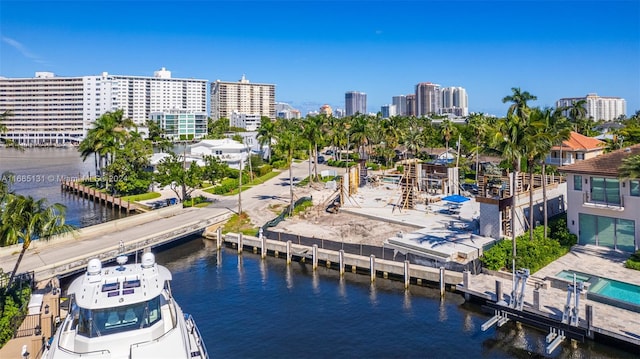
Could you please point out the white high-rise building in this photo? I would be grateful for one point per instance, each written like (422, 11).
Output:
(47, 109)
(242, 97)
(454, 101)
(388, 111)
(598, 107)
(401, 104)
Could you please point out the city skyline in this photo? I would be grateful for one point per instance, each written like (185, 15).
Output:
(384, 50)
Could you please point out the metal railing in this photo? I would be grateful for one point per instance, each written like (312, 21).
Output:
(587, 198)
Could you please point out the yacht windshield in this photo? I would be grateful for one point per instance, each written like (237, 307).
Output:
(97, 322)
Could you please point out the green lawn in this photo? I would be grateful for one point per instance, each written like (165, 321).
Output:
(245, 186)
(141, 197)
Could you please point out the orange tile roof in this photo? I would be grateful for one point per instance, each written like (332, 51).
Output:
(605, 165)
(578, 142)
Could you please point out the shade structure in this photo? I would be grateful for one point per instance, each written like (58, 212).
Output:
(455, 198)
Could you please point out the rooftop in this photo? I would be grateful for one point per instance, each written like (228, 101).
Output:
(605, 165)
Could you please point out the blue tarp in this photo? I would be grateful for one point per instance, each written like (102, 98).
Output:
(455, 198)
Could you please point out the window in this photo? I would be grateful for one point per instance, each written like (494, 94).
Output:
(634, 188)
(605, 190)
(577, 183)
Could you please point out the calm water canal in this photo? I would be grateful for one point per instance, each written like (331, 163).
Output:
(38, 172)
(246, 307)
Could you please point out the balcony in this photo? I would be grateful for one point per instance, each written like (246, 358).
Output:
(615, 203)
(555, 161)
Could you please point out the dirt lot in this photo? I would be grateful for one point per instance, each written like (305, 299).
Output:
(317, 222)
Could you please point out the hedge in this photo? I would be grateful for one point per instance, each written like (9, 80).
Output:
(634, 261)
(533, 254)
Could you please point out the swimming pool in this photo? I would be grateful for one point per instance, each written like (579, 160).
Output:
(568, 275)
(605, 290)
(619, 290)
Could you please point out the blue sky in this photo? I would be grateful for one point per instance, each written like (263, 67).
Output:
(315, 51)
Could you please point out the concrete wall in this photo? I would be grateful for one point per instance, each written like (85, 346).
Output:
(490, 216)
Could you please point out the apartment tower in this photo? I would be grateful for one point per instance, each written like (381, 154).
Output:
(355, 102)
(242, 97)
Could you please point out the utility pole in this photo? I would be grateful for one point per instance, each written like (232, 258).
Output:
(240, 188)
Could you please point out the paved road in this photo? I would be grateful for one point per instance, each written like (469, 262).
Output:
(254, 200)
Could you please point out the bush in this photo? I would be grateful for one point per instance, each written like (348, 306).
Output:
(264, 169)
(227, 185)
(13, 301)
(533, 254)
(280, 164)
(634, 261)
(373, 166)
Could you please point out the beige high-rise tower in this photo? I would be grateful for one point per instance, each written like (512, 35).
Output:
(242, 97)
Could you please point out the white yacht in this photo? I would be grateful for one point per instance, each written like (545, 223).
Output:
(125, 311)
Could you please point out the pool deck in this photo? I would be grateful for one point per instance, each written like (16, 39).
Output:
(609, 320)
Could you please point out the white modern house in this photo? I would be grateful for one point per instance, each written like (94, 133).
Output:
(602, 208)
(227, 150)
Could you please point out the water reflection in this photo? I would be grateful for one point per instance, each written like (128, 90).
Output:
(442, 311)
(373, 297)
(289, 277)
(406, 301)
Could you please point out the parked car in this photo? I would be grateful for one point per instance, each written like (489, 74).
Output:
(321, 160)
(470, 187)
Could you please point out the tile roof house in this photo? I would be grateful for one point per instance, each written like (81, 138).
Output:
(602, 208)
(577, 148)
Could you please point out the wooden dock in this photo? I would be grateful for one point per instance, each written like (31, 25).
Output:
(97, 196)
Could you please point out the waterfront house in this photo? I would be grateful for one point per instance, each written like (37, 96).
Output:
(227, 150)
(602, 208)
(577, 148)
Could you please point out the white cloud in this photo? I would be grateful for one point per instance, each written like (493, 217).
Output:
(23, 50)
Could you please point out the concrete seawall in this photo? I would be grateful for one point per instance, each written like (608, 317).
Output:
(413, 273)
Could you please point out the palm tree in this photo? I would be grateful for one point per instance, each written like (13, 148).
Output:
(519, 106)
(630, 167)
(447, 131)
(577, 113)
(266, 133)
(3, 129)
(359, 133)
(313, 133)
(107, 136)
(508, 138)
(557, 129)
(478, 123)
(25, 219)
(288, 138)
(537, 145)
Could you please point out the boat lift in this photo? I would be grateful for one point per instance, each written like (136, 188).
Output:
(568, 327)
(516, 301)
